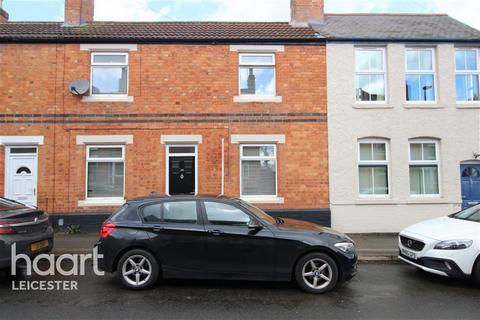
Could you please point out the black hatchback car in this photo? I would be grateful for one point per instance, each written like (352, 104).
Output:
(220, 238)
(24, 226)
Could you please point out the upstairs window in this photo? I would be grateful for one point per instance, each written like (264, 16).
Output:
(370, 74)
(373, 168)
(424, 168)
(467, 74)
(257, 74)
(420, 75)
(109, 74)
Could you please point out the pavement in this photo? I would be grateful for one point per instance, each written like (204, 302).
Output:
(379, 291)
(370, 247)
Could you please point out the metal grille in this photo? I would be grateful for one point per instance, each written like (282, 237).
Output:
(412, 244)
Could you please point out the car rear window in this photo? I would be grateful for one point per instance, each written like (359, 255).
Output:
(170, 211)
(125, 214)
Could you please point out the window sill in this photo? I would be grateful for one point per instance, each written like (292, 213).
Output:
(266, 200)
(113, 202)
(107, 99)
(247, 99)
(422, 106)
(372, 106)
(466, 105)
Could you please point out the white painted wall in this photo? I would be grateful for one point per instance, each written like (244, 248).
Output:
(457, 127)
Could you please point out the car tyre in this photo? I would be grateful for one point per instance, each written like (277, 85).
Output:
(138, 270)
(476, 273)
(316, 273)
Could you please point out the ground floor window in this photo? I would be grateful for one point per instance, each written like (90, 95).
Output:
(424, 173)
(258, 170)
(105, 171)
(373, 168)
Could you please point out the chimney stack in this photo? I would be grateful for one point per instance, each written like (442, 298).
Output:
(79, 12)
(305, 11)
(3, 13)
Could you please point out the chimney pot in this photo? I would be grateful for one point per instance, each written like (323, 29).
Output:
(79, 12)
(3, 13)
(304, 11)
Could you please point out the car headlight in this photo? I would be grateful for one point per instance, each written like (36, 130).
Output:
(346, 247)
(454, 244)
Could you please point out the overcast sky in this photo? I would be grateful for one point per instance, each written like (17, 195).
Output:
(467, 11)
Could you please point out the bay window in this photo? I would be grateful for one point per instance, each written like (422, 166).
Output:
(420, 75)
(424, 164)
(373, 168)
(258, 166)
(467, 75)
(105, 171)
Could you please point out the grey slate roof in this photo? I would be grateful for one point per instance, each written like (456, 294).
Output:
(155, 32)
(399, 27)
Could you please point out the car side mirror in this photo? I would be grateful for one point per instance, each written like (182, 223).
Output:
(254, 224)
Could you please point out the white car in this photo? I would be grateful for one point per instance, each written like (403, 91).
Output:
(447, 246)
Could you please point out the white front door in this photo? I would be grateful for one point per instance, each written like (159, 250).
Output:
(21, 174)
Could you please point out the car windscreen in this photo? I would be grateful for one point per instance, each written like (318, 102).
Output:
(6, 204)
(258, 212)
(471, 214)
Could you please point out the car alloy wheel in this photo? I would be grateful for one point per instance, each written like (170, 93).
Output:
(137, 270)
(317, 274)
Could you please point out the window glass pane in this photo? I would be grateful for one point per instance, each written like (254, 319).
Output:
(462, 87)
(366, 151)
(474, 88)
(365, 180)
(109, 80)
(23, 150)
(420, 87)
(412, 60)
(180, 211)
(369, 60)
(370, 87)
(460, 60)
(380, 186)
(379, 151)
(254, 59)
(181, 149)
(471, 60)
(262, 151)
(220, 213)
(431, 180)
(109, 59)
(429, 151)
(257, 81)
(258, 177)
(416, 180)
(416, 151)
(426, 61)
(152, 213)
(105, 152)
(105, 179)
(362, 60)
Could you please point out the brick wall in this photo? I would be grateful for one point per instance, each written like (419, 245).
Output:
(165, 80)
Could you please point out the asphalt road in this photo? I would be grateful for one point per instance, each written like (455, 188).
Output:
(380, 291)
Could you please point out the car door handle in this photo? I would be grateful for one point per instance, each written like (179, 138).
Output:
(158, 228)
(215, 232)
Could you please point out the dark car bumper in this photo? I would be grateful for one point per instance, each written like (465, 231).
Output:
(23, 242)
(348, 266)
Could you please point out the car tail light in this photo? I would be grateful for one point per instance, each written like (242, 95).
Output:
(6, 227)
(107, 229)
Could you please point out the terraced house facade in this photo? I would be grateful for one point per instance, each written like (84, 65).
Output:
(176, 108)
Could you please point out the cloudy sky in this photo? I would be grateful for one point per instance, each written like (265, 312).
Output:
(232, 10)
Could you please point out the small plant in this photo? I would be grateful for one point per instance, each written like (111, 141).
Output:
(73, 229)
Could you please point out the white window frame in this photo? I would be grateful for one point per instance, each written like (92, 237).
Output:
(109, 64)
(167, 163)
(259, 158)
(422, 72)
(88, 160)
(243, 65)
(425, 163)
(467, 72)
(369, 163)
(372, 72)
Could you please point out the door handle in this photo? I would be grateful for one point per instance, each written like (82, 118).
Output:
(215, 232)
(158, 228)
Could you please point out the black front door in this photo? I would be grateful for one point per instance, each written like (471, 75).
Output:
(181, 175)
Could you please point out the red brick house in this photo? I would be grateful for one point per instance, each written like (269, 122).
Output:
(176, 108)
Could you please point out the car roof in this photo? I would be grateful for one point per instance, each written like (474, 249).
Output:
(157, 197)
